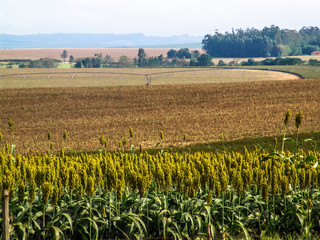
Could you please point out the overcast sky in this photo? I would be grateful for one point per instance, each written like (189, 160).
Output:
(153, 17)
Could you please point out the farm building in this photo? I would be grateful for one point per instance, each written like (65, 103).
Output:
(315, 53)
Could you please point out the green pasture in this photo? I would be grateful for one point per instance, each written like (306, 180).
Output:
(306, 71)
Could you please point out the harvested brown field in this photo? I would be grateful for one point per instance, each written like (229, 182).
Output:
(202, 111)
(55, 53)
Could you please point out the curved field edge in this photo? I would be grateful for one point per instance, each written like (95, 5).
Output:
(299, 70)
(36, 78)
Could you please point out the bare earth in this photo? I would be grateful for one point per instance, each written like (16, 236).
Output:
(202, 111)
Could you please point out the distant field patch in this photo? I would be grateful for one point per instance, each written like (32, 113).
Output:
(39, 78)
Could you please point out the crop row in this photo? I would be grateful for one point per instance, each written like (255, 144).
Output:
(47, 180)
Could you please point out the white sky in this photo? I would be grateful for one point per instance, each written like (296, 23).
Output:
(153, 17)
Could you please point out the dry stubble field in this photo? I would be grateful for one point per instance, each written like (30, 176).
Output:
(203, 111)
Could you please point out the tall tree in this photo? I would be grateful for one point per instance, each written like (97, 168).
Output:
(205, 60)
(142, 61)
(172, 53)
(64, 55)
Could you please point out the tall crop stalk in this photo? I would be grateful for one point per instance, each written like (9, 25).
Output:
(44, 221)
(90, 214)
(286, 121)
(299, 117)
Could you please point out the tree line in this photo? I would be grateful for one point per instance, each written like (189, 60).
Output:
(268, 42)
(175, 58)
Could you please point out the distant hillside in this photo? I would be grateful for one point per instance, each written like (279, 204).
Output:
(64, 40)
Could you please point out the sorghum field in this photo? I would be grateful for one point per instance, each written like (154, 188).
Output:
(202, 112)
(74, 174)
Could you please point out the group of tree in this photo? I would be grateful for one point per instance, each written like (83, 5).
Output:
(175, 58)
(279, 61)
(98, 61)
(183, 53)
(275, 61)
(268, 42)
(90, 62)
(41, 63)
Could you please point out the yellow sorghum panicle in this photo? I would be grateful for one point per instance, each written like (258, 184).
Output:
(49, 136)
(102, 140)
(294, 177)
(185, 136)
(8, 181)
(21, 191)
(46, 191)
(64, 176)
(55, 196)
(196, 182)
(161, 135)
(59, 188)
(223, 181)
(159, 176)
(90, 187)
(11, 125)
(72, 179)
(143, 180)
(125, 141)
(32, 190)
(265, 193)
(131, 132)
(65, 135)
(299, 117)
(212, 178)
(287, 117)
(99, 175)
(120, 181)
(237, 183)
(247, 177)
